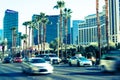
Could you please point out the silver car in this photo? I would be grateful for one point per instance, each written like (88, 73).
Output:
(79, 61)
(36, 66)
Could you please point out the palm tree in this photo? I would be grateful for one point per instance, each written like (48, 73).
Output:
(14, 35)
(42, 17)
(3, 44)
(33, 26)
(30, 26)
(38, 19)
(23, 37)
(106, 22)
(26, 25)
(45, 21)
(60, 5)
(66, 15)
(37, 22)
(98, 24)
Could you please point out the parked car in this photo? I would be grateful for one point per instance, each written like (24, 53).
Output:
(17, 59)
(50, 58)
(36, 65)
(110, 62)
(7, 60)
(79, 61)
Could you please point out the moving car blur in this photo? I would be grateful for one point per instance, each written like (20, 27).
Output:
(79, 61)
(110, 62)
(36, 65)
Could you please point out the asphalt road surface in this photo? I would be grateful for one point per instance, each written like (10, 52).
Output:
(61, 72)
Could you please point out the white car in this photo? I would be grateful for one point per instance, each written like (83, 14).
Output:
(36, 66)
(79, 61)
(50, 58)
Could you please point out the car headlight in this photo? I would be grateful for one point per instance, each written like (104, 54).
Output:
(34, 68)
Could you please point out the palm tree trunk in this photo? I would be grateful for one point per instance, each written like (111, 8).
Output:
(26, 38)
(61, 32)
(38, 37)
(29, 41)
(98, 24)
(32, 37)
(44, 39)
(29, 36)
(26, 42)
(106, 22)
(66, 31)
(41, 37)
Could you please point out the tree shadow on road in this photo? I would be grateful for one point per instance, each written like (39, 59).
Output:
(19, 74)
(12, 74)
(90, 73)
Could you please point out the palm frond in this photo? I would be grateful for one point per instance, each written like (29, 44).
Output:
(56, 7)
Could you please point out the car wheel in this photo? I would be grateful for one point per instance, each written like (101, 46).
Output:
(78, 64)
(70, 64)
(23, 71)
(103, 69)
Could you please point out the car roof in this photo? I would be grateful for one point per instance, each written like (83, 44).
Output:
(112, 53)
(35, 58)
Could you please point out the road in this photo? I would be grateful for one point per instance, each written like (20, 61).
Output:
(61, 72)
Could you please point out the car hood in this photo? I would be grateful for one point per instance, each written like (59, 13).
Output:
(40, 64)
(54, 58)
(85, 60)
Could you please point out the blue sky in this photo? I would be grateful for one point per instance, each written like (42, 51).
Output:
(27, 8)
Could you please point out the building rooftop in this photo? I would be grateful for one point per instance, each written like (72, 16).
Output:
(10, 11)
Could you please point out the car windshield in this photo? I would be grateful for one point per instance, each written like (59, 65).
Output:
(37, 61)
(40, 56)
(53, 55)
(7, 58)
(82, 58)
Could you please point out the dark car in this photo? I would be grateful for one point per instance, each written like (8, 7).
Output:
(7, 60)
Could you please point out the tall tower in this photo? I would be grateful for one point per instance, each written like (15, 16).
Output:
(114, 20)
(10, 20)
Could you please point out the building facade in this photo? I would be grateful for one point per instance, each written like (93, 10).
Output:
(75, 24)
(114, 20)
(1, 35)
(87, 30)
(10, 20)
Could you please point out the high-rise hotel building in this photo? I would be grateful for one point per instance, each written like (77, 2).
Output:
(10, 20)
(114, 20)
(88, 29)
(74, 30)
